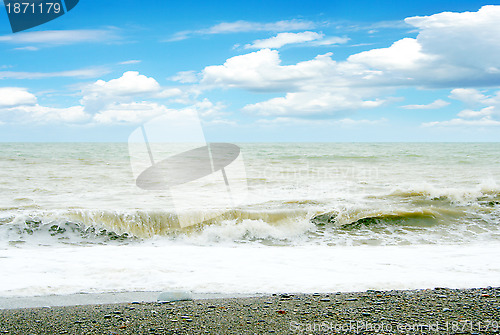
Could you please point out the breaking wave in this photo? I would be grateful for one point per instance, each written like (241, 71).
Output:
(292, 222)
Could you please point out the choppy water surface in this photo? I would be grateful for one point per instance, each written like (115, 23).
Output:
(75, 209)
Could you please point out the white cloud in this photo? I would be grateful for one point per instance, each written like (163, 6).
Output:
(314, 103)
(282, 39)
(433, 105)
(62, 37)
(106, 102)
(130, 83)
(79, 73)
(405, 54)
(330, 41)
(483, 122)
(21, 106)
(132, 61)
(487, 115)
(466, 39)
(186, 77)
(28, 48)
(262, 71)
(343, 122)
(243, 27)
(43, 114)
(314, 87)
(437, 57)
(207, 108)
(470, 114)
(375, 27)
(101, 93)
(463, 48)
(306, 38)
(15, 96)
(473, 98)
(169, 93)
(135, 112)
(469, 96)
(123, 100)
(246, 26)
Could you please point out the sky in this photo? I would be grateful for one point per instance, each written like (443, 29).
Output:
(261, 71)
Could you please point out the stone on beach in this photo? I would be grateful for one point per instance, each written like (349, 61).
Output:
(175, 296)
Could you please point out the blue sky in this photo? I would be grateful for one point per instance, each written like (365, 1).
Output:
(282, 71)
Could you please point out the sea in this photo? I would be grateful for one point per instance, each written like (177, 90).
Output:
(291, 217)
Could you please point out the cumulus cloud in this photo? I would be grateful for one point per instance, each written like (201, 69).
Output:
(16, 96)
(208, 108)
(19, 105)
(124, 100)
(44, 114)
(466, 39)
(185, 77)
(486, 114)
(169, 93)
(433, 105)
(463, 46)
(117, 101)
(469, 96)
(262, 71)
(135, 112)
(473, 97)
(313, 103)
(451, 50)
(130, 84)
(471, 114)
(405, 54)
(313, 87)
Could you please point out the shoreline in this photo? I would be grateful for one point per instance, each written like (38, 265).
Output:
(429, 311)
(108, 298)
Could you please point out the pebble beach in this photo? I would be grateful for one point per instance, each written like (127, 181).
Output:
(430, 311)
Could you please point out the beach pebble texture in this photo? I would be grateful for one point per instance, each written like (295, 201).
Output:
(432, 311)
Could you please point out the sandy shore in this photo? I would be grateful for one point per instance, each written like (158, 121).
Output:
(437, 311)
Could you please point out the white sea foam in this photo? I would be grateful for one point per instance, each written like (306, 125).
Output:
(245, 269)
